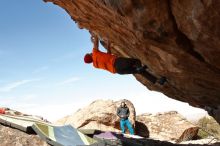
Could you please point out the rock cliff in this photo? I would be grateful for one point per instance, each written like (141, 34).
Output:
(169, 126)
(160, 124)
(100, 115)
(178, 39)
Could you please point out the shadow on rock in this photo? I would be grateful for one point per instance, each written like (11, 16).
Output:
(141, 129)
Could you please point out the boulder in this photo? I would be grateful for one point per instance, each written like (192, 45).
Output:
(100, 115)
(169, 126)
(178, 39)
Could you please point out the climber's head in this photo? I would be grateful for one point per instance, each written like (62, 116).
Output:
(88, 58)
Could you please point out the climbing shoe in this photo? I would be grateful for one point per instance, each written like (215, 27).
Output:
(162, 80)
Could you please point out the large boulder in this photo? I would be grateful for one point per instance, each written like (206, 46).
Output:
(100, 115)
(169, 126)
(178, 39)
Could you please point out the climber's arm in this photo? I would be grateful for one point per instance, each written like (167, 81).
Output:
(128, 113)
(95, 41)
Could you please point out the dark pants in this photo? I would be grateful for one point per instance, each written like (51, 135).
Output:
(130, 66)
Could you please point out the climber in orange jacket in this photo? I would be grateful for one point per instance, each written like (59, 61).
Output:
(120, 65)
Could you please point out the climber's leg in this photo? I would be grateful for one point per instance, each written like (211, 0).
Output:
(134, 66)
(125, 65)
(122, 125)
(149, 76)
(154, 79)
(129, 66)
(138, 66)
(130, 128)
(142, 70)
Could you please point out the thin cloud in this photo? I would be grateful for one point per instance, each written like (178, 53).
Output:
(70, 81)
(28, 97)
(17, 101)
(13, 85)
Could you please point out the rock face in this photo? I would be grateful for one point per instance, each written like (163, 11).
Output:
(100, 115)
(169, 126)
(178, 39)
(13, 137)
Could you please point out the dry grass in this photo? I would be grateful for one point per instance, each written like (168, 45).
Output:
(209, 127)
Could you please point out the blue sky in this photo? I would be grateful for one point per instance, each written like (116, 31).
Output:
(42, 70)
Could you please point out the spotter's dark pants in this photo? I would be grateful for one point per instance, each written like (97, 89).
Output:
(130, 66)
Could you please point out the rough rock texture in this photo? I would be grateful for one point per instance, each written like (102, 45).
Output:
(169, 126)
(100, 115)
(178, 39)
(209, 140)
(13, 137)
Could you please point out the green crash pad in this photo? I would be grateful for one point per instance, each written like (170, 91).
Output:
(62, 135)
(18, 122)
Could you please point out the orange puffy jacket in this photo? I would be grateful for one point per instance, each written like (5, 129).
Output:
(103, 60)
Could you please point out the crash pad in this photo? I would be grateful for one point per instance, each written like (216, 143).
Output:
(2, 111)
(108, 135)
(14, 122)
(62, 135)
